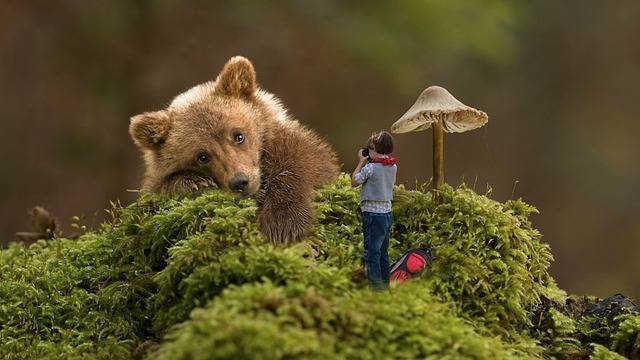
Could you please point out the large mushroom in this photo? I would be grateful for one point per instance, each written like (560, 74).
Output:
(437, 107)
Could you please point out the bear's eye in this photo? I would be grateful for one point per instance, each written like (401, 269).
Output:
(238, 138)
(203, 158)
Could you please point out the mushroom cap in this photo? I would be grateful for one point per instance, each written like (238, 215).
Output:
(437, 104)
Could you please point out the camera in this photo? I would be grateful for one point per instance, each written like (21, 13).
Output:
(364, 152)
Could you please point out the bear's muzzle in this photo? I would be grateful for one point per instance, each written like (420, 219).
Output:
(239, 183)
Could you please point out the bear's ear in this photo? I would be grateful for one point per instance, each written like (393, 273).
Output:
(237, 78)
(150, 130)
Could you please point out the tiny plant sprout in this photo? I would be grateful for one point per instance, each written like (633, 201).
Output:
(438, 108)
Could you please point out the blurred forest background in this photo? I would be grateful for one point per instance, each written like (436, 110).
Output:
(559, 80)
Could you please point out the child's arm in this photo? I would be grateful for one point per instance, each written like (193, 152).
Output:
(361, 164)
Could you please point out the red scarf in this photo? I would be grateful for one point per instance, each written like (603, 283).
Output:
(387, 160)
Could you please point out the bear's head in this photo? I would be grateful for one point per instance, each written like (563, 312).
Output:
(212, 131)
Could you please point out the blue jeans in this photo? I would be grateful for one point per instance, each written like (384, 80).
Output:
(377, 228)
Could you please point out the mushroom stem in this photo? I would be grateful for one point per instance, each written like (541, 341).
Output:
(438, 155)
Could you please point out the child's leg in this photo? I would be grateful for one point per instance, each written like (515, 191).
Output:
(366, 233)
(376, 224)
(384, 251)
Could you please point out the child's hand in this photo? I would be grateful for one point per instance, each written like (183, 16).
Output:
(360, 157)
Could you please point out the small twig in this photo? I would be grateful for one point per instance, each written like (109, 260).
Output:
(514, 188)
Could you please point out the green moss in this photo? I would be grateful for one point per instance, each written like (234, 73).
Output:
(51, 303)
(197, 276)
(602, 353)
(269, 321)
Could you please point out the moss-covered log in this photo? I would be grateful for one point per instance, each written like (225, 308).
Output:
(194, 278)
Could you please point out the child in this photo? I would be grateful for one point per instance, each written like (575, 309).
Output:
(377, 174)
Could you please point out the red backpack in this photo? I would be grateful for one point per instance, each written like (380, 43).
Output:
(411, 263)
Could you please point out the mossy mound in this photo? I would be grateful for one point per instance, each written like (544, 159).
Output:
(194, 278)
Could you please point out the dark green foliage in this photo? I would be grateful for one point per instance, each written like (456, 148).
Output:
(626, 338)
(197, 276)
(556, 332)
(621, 335)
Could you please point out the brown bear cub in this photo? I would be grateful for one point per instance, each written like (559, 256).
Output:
(231, 134)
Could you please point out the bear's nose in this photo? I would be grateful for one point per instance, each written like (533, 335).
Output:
(239, 183)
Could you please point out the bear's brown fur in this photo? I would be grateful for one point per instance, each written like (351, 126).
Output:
(234, 135)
